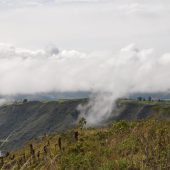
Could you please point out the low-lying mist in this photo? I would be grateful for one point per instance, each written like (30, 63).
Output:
(108, 75)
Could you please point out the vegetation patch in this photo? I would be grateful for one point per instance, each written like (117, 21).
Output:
(126, 145)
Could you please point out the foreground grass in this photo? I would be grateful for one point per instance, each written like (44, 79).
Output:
(131, 145)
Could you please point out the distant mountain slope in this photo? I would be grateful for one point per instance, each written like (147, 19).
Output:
(28, 120)
(134, 110)
(51, 96)
(22, 122)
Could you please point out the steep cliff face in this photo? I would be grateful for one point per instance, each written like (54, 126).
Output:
(134, 110)
(22, 122)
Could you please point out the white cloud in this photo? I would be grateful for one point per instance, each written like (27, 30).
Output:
(111, 75)
(26, 71)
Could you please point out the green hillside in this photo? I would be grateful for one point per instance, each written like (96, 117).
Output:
(123, 145)
(21, 122)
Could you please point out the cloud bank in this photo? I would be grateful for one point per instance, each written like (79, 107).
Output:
(110, 75)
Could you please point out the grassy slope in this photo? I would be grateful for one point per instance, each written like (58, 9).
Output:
(123, 145)
(29, 120)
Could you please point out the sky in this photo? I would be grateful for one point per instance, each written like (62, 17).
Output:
(85, 25)
(113, 48)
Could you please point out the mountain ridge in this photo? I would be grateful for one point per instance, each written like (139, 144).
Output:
(21, 122)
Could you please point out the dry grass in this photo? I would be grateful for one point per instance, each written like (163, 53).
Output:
(143, 145)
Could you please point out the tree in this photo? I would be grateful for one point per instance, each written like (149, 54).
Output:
(82, 122)
(139, 98)
(25, 101)
(150, 98)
